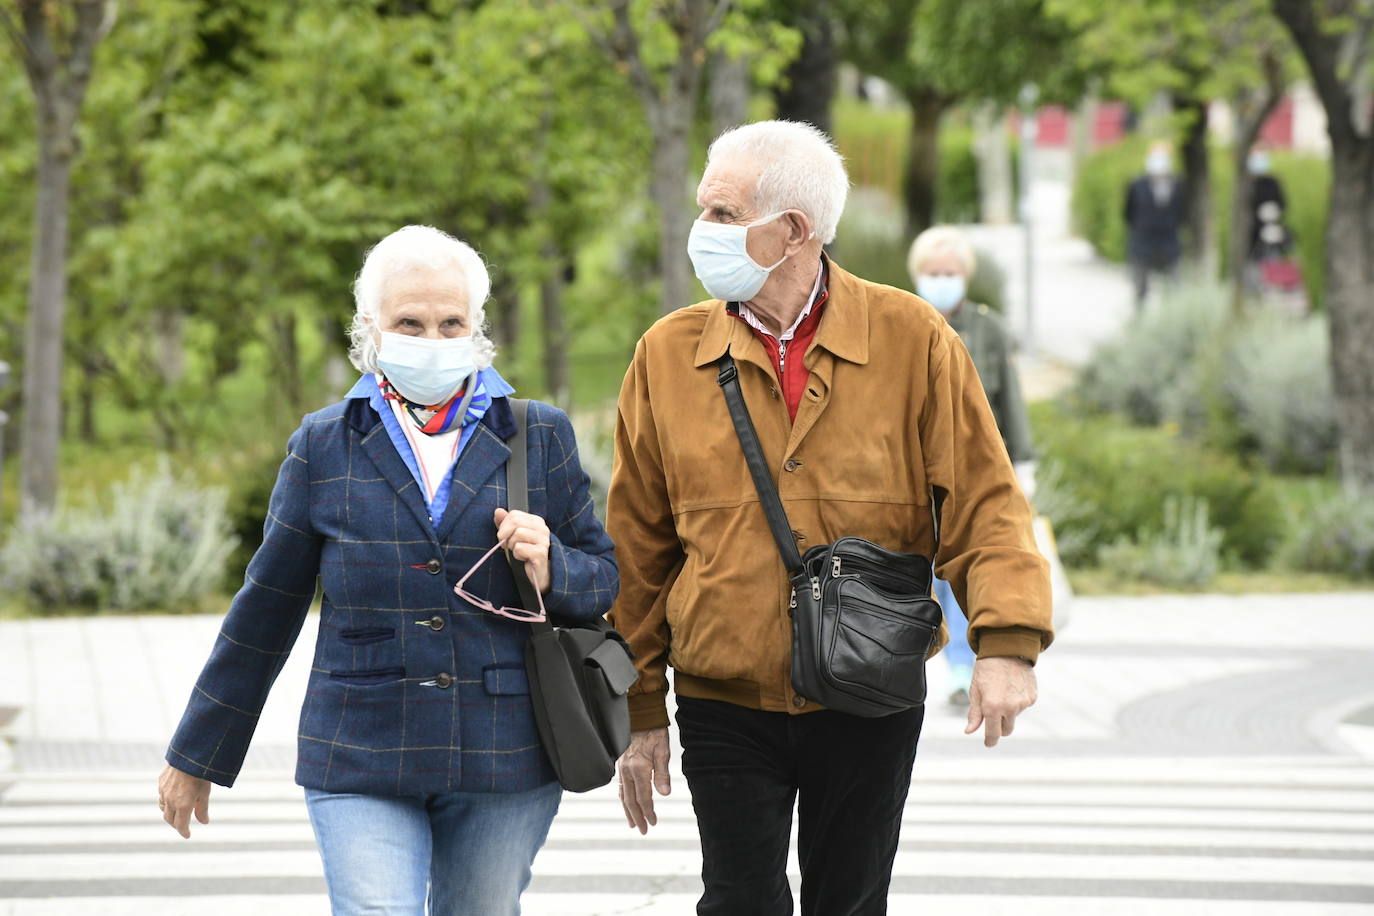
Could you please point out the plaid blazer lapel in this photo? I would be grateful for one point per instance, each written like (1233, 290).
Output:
(377, 443)
(482, 457)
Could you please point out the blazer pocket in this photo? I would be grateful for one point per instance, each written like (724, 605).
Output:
(368, 676)
(505, 680)
(366, 636)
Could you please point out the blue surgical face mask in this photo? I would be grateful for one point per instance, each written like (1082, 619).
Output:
(945, 292)
(424, 370)
(1158, 163)
(1258, 163)
(720, 257)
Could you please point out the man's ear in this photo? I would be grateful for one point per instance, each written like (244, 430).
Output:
(799, 231)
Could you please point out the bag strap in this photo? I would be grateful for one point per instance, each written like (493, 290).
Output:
(728, 379)
(518, 499)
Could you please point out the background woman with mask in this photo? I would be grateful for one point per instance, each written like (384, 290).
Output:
(941, 263)
(418, 752)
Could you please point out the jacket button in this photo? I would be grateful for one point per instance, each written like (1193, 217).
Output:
(799, 702)
(443, 680)
(772, 392)
(792, 464)
(436, 622)
(798, 535)
(434, 566)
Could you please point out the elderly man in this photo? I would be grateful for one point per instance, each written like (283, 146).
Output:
(872, 419)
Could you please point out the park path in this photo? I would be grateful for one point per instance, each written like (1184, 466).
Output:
(1189, 755)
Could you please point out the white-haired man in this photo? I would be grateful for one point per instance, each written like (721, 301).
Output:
(871, 416)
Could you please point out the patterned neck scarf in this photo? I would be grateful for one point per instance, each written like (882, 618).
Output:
(466, 407)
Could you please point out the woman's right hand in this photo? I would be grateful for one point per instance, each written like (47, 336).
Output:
(178, 795)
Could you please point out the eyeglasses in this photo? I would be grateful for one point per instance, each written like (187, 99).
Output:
(514, 613)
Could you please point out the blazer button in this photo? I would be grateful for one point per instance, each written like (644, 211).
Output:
(799, 702)
(436, 622)
(434, 567)
(443, 680)
(792, 464)
(798, 535)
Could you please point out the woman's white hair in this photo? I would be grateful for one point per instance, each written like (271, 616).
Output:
(937, 240)
(406, 248)
(801, 170)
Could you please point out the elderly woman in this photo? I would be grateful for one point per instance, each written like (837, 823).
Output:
(418, 752)
(941, 263)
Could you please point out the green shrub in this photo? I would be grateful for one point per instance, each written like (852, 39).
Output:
(1278, 382)
(1333, 534)
(1110, 480)
(161, 542)
(1157, 370)
(1184, 552)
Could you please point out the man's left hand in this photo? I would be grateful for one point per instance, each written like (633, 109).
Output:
(1002, 689)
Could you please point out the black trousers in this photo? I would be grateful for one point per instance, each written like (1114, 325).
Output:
(848, 777)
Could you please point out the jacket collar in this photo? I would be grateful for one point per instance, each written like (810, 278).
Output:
(843, 330)
(499, 418)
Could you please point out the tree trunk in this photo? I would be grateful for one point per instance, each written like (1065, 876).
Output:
(289, 364)
(556, 376)
(922, 167)
(1350, 306)
(807, 89)
(994, 165)
(505, 295)
(90, 375)
(1197, 182)
(42, 425)
(672, 133)
(729, 92)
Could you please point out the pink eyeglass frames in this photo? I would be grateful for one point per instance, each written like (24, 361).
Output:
(514, 613)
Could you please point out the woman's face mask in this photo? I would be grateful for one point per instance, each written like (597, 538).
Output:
(425, 370)
(944, 291)
(720, 257)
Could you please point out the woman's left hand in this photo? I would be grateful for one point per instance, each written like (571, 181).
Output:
(526, 536)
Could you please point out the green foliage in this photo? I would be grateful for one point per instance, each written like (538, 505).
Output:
(1278, 384)
(1110, 480)
(1333, 533)
(1185, 551)
(1159, 368)
(1259, 387)
(162, 541)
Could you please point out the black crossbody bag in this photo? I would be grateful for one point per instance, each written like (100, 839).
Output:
(863, 620)
(578, 674)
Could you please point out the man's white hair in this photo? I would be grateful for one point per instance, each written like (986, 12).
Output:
(406, 248)
(940, 240)
(801, 170)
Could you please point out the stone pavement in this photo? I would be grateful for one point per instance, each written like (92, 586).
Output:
(1199, 754)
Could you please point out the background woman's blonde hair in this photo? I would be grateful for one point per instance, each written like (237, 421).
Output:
(938, 239)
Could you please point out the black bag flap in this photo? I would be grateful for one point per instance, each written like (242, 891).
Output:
(615, 665)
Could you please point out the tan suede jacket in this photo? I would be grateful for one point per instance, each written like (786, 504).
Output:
(893, 411)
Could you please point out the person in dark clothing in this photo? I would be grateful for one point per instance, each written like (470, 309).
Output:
(1154, 212)
(1265, 189)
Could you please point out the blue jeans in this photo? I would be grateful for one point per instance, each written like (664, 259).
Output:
(469, 853)
(957, 653)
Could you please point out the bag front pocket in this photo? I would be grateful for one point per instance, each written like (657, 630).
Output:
(878, 644)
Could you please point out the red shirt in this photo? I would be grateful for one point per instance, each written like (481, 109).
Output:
(788, 364)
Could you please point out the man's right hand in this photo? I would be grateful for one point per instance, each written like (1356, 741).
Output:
(179, 794)
(644, 768)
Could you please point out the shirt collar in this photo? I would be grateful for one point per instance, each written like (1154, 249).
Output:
(753, 320)
(843, 329)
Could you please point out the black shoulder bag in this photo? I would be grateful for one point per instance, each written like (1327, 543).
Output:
(578, 674)
(862, 616)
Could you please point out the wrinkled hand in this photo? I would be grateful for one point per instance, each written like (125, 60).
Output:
(1002, 689)
(643, 768)
(178, 795)
(526, 536)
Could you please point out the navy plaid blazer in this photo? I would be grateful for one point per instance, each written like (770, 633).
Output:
(413, 691)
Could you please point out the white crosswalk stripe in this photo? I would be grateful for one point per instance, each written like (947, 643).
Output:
(1078, 836)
